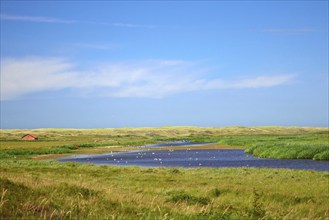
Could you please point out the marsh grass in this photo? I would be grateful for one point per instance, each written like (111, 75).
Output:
(315, 151)
(301, 146)
(215, 192)
(53, 190)
(257, 209)
(189, 199)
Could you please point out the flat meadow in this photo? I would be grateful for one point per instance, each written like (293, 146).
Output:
(33, 185)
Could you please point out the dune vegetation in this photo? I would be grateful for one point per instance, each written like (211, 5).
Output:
(34, 188)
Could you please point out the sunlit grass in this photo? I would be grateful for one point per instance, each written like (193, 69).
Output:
(79, 191)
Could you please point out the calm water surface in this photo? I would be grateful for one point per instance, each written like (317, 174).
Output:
(177, 144)
(195, 158)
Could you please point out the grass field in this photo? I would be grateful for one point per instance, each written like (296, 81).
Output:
(53, 190)
(34, 189)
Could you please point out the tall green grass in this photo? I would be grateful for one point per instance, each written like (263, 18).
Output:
(53, 190)
(290, 151)
(303, 146)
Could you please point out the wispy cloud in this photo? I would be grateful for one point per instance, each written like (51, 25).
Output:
(63, 21)
(127, 25)
(35, 19)
(150, 78)
(122, 25)
(290, 31)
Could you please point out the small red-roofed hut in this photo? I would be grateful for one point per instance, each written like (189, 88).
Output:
(29, 137)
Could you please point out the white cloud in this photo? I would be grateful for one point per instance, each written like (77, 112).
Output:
(35, 19)
(150, 78)
(28, 75)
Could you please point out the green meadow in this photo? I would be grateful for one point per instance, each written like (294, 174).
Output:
(34, 186)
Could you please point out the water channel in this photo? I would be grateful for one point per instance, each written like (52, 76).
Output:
(194, 158)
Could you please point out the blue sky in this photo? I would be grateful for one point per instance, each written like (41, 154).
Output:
(89, 64)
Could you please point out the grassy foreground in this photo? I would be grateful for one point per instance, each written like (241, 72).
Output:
(31, 189)
(53, 190)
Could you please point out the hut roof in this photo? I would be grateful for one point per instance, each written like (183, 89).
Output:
(31, 136)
